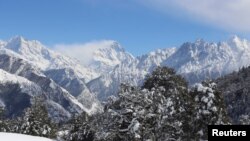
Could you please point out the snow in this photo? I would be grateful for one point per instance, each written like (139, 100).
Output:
(44, 58)
(195, 61)
(112, 65)
(2, 104)
(90, 111)
(21, 137)
(41, 58)
(26, 85)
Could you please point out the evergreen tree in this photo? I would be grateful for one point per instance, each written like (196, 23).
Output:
(2, 122)
(164, 77)
(178, 107)
(79, 129)
(36, 121)
(159, 111)
(209, 109)
(135, 115)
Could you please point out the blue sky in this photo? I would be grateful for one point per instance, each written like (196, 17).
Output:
(139, 25)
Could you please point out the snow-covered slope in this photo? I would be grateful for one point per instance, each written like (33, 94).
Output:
(67, 79)
(45, 59)
(111, 65)
(21, 137)
(104, 59)
(57, 74)
(195, 61)
(201, 60)
(26, 85)
(57, 97)
(2, 43)
(131, 71)
(16, 91)
(19, 92)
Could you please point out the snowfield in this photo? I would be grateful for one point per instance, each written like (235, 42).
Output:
(20, 137)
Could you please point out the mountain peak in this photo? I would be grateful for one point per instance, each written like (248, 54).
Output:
(238, 43)
(19, 43)
(111, 44)
(17, 39)
(15, 43)
(235, 38)
(200, 40)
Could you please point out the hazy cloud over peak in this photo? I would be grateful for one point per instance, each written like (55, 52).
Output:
(83, 51)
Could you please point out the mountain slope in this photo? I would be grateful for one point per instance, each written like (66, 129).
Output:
(202, 60)
(195, 61)
(57, 97)
(45, 59)
(132, 72)
(111, 65)
(104, 59)
(16, 91)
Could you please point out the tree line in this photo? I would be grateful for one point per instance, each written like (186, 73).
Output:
(164, 108)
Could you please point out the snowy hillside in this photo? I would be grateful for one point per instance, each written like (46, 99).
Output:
(104, 59)
(195, 61)
(21, 137)
(60, 102)
(24, 57)
(46, 59)
(132, 72)
(111, 65)
(28, 86)
(200, 60)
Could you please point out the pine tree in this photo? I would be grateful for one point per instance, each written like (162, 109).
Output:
(140, 115)
(164, 77)
(209, 109)
(178, 106)
(36, 121)
(2, 123)
(79, 129)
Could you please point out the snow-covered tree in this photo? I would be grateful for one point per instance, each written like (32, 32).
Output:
(2, 123)
(209, 108)
(159, 111)
(36, 121)
(135, 115)
(178, 104)
(167, 78)
(79, 129)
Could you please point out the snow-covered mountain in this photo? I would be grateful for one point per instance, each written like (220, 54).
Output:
(105, 58)
(200, 60)
(21, 82)
(45, 59)
(63, 99)
(131, 71)
(2, 43)
(195, 61)
(16, 91)
(111, 65)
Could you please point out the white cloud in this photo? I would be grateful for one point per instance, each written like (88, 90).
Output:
(232, 15)
(84, 51)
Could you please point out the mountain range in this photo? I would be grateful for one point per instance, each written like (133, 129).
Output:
(28, 69)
